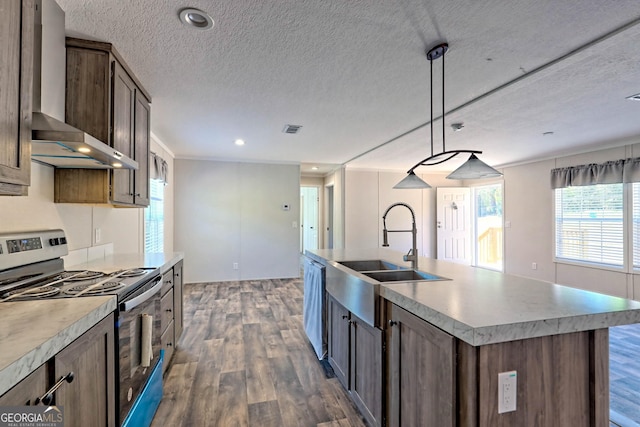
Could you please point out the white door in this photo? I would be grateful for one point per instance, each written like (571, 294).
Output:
(454, 224)
(309, 219)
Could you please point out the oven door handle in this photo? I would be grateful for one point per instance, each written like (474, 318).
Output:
(140, 299)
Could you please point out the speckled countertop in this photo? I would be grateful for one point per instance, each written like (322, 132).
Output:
(482, 307)
(33, 332)
(111, 263)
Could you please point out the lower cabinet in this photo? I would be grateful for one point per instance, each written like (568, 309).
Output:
(355, 352)
(171, 306)
(421, 372)
(88, 399)
(28, 391)
(338, 346)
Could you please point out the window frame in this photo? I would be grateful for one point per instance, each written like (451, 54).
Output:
(627, 237)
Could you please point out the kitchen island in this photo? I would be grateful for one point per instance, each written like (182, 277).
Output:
(444, 342)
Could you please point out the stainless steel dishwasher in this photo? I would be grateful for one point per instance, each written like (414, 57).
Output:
(314, 309)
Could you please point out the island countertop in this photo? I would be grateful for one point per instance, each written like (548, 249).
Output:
(481, 306)
(34, 331)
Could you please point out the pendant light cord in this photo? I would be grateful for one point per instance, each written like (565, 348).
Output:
(431, 106)
(443, 110)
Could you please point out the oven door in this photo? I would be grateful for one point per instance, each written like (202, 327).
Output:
(134, 371)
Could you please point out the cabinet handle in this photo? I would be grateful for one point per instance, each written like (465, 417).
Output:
(392, 323)
(47, 398)
(169, 344)
(344, 316)
(168, 310)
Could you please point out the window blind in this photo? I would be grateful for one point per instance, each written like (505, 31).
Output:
(636, 224)
(589, 224)
(154, 219)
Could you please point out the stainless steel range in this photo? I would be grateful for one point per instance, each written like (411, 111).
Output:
(31, 268)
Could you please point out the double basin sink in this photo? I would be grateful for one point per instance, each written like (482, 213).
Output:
(356, 284)
(384, 271)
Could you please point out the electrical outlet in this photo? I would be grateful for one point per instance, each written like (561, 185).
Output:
(235, 265)
(534, 265)
(507, 391)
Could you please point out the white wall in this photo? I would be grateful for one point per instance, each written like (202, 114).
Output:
(528, 199)
(228, 213)
(528, 211)
(121, 229)
(368, 194)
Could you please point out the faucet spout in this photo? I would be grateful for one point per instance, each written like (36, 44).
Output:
(412, 255)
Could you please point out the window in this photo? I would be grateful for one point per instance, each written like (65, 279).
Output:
(636, 224)
(154, 219)
(488, 226)
(590, 224)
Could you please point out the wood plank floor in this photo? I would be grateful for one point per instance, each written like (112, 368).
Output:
(624, 374)
(244, 360)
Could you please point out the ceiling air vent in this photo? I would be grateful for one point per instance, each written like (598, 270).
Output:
(635, 97)
(292, 129)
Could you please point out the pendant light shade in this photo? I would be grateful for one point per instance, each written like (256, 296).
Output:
(411, 181)
(474, 168)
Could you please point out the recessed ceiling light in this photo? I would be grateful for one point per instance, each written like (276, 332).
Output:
(635, 97)
(196, 18)
(239, 142)
(314, 168)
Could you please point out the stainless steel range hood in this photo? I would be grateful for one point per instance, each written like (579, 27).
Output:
(53, 141)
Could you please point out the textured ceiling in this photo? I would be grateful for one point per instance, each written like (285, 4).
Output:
(353, 73)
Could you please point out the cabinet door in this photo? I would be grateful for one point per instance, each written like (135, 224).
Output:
(177, 300)
(28, 390)
(141, 150)
(123, 96)
(16, 82)
(167, 340)
(89, 400)
(338, 340)
(366, 369)
(421, 375)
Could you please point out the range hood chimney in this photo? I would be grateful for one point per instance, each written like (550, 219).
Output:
(52, 140)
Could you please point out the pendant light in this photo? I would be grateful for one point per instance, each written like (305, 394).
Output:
(473, 168)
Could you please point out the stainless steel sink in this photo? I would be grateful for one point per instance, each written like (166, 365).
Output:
(402, 276)
(371, 265)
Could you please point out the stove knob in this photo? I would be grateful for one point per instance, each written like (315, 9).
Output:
(63, 240)
(54, 241)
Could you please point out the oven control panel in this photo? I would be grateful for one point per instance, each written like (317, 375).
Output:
(21, 248)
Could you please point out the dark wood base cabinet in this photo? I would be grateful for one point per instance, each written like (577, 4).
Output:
(436, 380)
(171, 306)
(355, 352)
(420, 372)
(89, 399)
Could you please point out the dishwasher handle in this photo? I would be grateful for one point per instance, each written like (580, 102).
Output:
(146, 295)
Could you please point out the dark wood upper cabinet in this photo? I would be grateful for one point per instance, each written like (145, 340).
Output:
(105, 99)
(16, 83)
